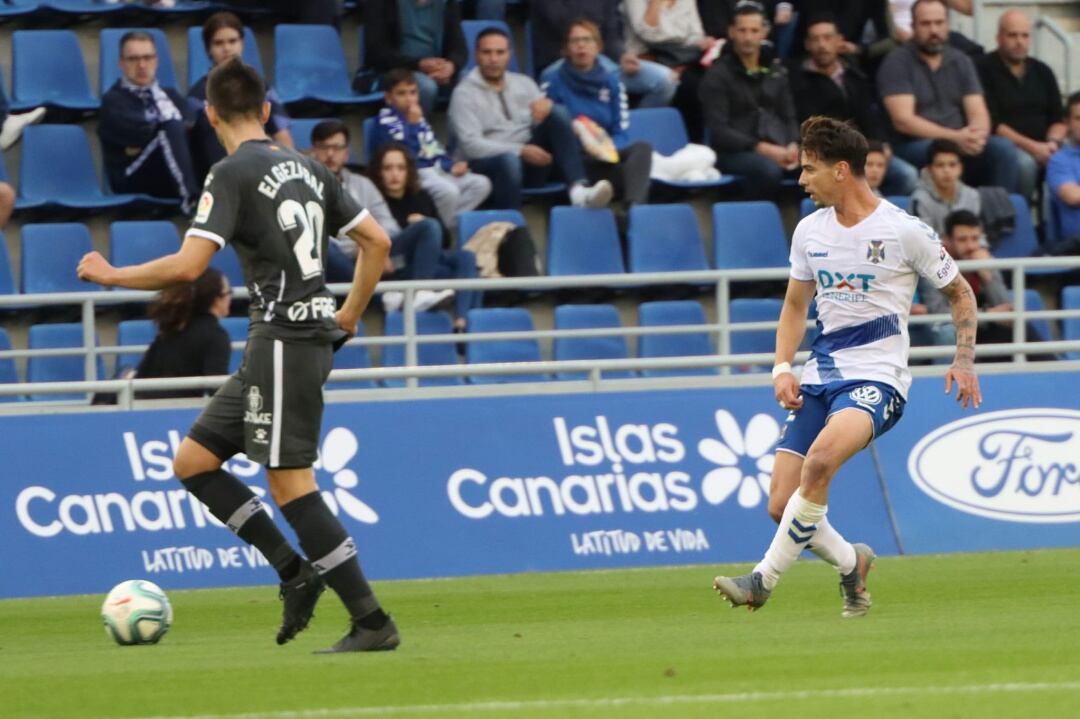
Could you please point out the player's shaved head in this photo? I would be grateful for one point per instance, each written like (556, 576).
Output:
(236, 91)
(832, 141)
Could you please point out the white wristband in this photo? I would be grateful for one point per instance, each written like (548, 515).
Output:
(782, 368)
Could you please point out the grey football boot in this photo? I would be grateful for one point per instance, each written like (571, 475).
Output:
(360, 639)
(853, 584)
(745, 591)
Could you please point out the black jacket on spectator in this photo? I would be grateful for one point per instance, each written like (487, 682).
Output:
(742, 108)
(817, 94)
(551, 18)
(382, 37)
(199, 350)
(1029, 105)
(418, 204)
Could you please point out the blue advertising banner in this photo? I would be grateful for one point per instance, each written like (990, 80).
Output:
(427, 488)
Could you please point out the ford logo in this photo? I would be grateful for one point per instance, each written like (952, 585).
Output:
(1019, 465)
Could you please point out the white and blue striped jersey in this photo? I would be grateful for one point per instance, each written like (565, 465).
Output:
(866, 277)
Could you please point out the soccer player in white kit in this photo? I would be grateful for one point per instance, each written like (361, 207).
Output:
(860, 257)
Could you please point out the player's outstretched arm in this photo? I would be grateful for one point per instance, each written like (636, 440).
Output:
(789, 334)
(185, 265)
(374, 247)
(962, 371)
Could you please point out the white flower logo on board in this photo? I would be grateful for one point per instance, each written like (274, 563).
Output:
(744, 460)
(338, 449)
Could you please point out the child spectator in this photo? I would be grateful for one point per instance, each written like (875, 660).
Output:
(941, 191)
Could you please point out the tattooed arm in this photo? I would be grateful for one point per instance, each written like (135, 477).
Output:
(962, 371)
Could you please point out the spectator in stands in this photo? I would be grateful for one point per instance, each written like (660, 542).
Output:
(143, 128)
(932, 91)
(451, 185)
(901, 11)
(717, 15)
(395, 176)
(223, 38)
(1023, 98)
(11, 126)
(190, 340)
(941, 191)
(851, 18)
(585, 88)
(827, 83)
(1063, 176)
(877, 164)
(424, 36)
(653, 82)
(749, 109)
(510, 132)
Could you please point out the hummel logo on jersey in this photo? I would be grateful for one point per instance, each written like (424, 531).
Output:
(812, 253)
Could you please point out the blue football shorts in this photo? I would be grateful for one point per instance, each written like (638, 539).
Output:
(820, 401)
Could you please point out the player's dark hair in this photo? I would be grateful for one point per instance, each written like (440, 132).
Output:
(832, 141)
(960, 218)
(235, 90)
(134, 35)
(875, 146)
(412, 177)
(220, 21)
(942, 146)
(327, 129)
(397, 76)
(748, 7)
(1074, 99)
(918, 3)
(174, 306)
(489, 31)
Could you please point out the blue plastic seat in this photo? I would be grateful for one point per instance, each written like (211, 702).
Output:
(198, 62)
(109, 57)
(806, 207)
(427, 354)
(1041, 327)
(754, 341)
(583, 242)
(470, 222)
(309, 64)
(228, 263)
(70, 368)
(368, 131)
(7, 368)
(83, 7)
(748, 235)
(50, 254)
(664, 238)
(7, 278)
(353, 357)
(664, 129)
(674, 312)
(136, 242)
(901, 201)
(133, 332)
(502, 319)
(473, 28)
(1070, 328)
(237, 329)
(49, 148)
(578, 317)
(47, 69)
(19, 8)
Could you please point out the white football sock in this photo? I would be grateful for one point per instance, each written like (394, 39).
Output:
(797, 528)
(832, 547)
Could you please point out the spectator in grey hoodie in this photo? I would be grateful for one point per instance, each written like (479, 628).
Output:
(510, 132)
(940, 190)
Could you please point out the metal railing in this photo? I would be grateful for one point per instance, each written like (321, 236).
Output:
(720, 280)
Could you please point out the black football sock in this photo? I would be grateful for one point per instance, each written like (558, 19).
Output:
(332, 552)
(234, 504)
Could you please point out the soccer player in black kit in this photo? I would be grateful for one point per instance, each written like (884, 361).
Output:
(276, 207)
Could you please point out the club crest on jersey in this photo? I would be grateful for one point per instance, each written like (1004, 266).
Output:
(867, 394)
(875, 251)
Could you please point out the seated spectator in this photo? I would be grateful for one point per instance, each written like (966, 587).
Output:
(11, 126)
(223, 38)
(424, 36)
(941, 191)
(514, 135)
(654, 83)
(330, 146)
(827, 83)
(901, 12)
(717, 15)
(877, 163)
(1023, 98)
(190, 341)
(749, 109)
(931, 91)
(584, 87)
(395, 175)
(143, 128)
(450, 184)
(1063, 178)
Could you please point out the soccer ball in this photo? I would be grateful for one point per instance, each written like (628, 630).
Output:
(136, 612)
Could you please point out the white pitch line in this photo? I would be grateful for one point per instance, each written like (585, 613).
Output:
(615, 702)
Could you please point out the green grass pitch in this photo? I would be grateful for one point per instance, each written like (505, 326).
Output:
(978, 635)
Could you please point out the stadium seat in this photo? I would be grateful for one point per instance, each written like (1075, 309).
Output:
(664, 238)
(579, 317)
(47, 69)
(754, 341)
(133, 332)
(69, 368)
(1041, 327)
(135, 242)
(901, 201)
(502, 319)
(7, 368)
(367, 129)
(583, 242)
(353, 357)
(50, 254)
(7, 278)
(226, 260)
(748, 235)
(48, 147)
(664, 129)
(309, 64)
(473, 28)
(18, 8)
(109, 57)
(237, 329)
(1070, 327)
(198, 62)
(1022, 241)
(427, 354)
(470, 222)
(674, 312)
(806, 207)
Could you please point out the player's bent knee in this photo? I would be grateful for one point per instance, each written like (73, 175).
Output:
(192, 459)
(818, 468)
